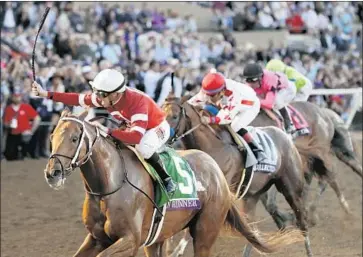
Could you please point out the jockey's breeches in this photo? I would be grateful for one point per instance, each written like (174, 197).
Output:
(285, 96)
(154, 140)
(244, 118)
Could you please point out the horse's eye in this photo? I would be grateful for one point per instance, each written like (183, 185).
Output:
(175, 117)
(74, 139)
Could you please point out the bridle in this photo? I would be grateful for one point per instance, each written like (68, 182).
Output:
(75, 160)
(78, 162)
(183, 114)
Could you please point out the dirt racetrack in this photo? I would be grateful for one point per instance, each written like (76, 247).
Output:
(37, 221)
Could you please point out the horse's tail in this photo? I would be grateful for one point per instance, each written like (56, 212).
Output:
(342, 145)
(270, 244)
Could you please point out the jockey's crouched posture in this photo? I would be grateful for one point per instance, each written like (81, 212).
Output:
(149, 129)
(303, 85)
(238, 105)
(275, 90)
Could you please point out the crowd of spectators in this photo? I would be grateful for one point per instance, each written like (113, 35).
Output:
(298, 16)
(146, 44)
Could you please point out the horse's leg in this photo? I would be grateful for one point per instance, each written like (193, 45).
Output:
(324, 168)
(292, 187)
(313, 216)
(250, 207)
(179, 250)
(155, 250)
(90, 247)
(268, 200)
(126, 246)
(206, 228)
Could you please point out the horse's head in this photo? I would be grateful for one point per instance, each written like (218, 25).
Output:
(176, 115)
(183, 117)
(71, 147)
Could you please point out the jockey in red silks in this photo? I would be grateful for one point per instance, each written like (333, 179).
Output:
(238, 105)
(274, 89)
(149, 130)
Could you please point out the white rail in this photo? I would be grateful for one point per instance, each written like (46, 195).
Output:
(356, 101)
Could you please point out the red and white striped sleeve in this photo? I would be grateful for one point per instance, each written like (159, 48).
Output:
(139, 122)
(235, 104)
(75, 99)
(199, 99)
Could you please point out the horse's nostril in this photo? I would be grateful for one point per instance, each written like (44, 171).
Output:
(56, 173)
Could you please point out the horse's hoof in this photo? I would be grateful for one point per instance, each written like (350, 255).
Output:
(313, 219)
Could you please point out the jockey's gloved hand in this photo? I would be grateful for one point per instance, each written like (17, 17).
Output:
(103, 130)
(205, 120)
(37, 90)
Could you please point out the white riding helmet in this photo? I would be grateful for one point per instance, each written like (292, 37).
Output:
(109, 81)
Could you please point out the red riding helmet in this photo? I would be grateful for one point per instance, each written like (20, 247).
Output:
(213, 83)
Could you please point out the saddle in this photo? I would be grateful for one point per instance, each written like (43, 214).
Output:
(251, 164)
(184, 197)
(300, 123)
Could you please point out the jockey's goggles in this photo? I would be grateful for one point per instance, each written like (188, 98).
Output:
(104, 94)
(251, 80)
(101, 93)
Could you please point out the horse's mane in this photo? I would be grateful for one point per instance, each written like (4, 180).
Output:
(180, 100)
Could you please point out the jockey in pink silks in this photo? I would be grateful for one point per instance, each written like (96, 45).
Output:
(274, 89)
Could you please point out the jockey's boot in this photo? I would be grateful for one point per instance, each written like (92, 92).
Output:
(289, 125)
(255, 147)
(158, 165)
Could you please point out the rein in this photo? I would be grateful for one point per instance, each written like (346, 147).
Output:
(182, 114)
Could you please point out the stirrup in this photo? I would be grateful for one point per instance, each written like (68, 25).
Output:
(240, 147)
(290, 129)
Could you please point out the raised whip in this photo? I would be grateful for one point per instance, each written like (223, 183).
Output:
(36, 38)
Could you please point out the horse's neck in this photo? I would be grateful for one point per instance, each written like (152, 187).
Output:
(205, 140)
(103, 170)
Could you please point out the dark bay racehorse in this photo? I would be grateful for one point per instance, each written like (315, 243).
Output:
(328, 139)
(288, 177)
(118, 217)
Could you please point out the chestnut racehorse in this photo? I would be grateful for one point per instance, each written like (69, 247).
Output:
(118, 215)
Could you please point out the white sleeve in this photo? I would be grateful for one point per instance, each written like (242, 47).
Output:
(230, 110)
(235, 105)
(198, 100)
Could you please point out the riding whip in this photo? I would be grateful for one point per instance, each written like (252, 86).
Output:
(36, 38)
(172, 82)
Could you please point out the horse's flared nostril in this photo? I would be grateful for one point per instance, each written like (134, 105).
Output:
(56, 173)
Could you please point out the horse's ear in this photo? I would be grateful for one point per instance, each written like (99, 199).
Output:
(83, 115)
(65, 112)
(185, 98)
